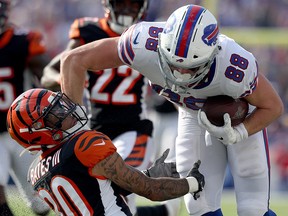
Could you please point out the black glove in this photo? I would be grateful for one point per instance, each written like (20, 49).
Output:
(194, 172)
(161, 169)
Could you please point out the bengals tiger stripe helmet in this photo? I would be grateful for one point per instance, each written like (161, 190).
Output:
(39, 119)
(122, 14)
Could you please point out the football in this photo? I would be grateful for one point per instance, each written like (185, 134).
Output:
(215, 107)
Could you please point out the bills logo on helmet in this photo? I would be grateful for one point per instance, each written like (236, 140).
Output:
(170, 24)
(210, 34)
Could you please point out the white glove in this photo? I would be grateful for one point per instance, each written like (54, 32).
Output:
(226, 134)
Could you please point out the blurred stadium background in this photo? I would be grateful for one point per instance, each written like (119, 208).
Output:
(261, 26)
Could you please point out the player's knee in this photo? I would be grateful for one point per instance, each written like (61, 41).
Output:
(250, 169)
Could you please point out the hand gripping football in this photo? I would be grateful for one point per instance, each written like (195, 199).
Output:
(215, 107)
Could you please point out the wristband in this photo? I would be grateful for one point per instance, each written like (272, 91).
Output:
(193, 184)
(145, 172)
(242, 132)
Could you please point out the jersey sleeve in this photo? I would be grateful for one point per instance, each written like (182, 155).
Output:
(125, 46)
(137, 48)
(36, 45)
(92, 147)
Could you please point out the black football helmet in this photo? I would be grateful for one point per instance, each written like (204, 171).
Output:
(122, 14)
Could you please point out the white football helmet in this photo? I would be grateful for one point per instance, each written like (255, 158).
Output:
(189, 41)
(124, 13)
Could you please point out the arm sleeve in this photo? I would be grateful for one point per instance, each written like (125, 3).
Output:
(92, 147)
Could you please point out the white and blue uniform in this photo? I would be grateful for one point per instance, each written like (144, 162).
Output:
(234, 72)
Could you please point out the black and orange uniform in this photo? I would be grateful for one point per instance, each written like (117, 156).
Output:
(55, 175)
(116, 94)
(16, 47)
(19, 50)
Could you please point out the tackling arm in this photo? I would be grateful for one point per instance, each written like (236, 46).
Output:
(97, 55)
(51, 73)
(130, 179)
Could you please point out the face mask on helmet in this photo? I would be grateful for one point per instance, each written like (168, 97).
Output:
(124, 13)
(40, 118)
(4, 13)
(187, 47)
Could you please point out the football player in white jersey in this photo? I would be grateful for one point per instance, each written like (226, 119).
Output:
(187, 60)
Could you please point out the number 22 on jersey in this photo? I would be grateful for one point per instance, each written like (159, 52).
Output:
(121, 94)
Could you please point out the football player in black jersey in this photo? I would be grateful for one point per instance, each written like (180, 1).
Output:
(116, 95)
(19, 50)
(79, 171)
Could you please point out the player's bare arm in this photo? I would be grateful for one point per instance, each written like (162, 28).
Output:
(268, 103)
(51, 73)
(96, 55)
(115, 169)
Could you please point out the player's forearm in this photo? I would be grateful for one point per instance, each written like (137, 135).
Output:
(72, 76)
(155, 189)
(164, 188)
(260, 119)
(268, 103)
(130, 179)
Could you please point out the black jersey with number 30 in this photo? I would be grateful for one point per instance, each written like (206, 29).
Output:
(63, 178)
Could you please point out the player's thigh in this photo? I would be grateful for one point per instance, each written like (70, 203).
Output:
(190, 146)
(249, 165)
(249, 158)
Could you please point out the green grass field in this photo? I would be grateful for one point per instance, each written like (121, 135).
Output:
(279, 203)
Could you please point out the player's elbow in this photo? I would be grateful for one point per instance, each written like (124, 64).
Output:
(279, 109)
(71, 63)
(67, 57)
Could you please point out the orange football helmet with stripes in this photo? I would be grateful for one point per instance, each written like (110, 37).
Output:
(39, 119)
